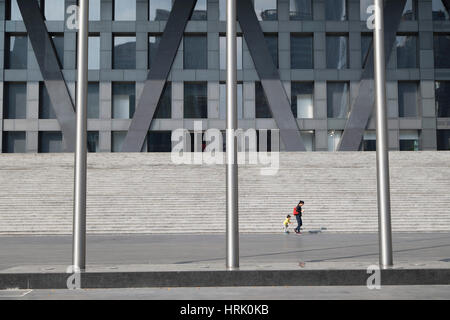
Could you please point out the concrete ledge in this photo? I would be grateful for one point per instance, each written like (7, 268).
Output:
(223, 278)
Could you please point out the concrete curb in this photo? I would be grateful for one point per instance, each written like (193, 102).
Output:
(222, 278)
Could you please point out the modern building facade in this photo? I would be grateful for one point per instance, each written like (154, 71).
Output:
(320, 49)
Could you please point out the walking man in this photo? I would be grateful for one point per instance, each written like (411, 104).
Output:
(298, 215)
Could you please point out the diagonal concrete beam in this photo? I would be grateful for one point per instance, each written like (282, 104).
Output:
(270, 79)
(363, 105)
(51, 72)
(157, 76)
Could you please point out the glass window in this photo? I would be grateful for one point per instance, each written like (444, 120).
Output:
(92, 141)
(159, 141)
(153, 45)
(337, 52)
(300, 10)
(308, 140)
(16, 52)
(222, 10)
(263, 145)
(14, 142)
(200, 10)
(441, 50)
(125, 10)
(443, 140)
(336, 10)
(409, 141)
(370, 141)
(195, 52)
(94, 53)
(117, 139)
(272, 44)
(164, 108)
(45, 105)
(15, 101)
(366, 46)
(159, 9)
(302, 52)
(58, 43)
(440, 12)
(407, 52)
(408, 99)
(409, 13)
(363, 6)
(334, 137)
(124, 55)
(302, 104)
(14, 11)
(54, 10)
(124, 100)
(223, 101)
(50, 142)
(442, 96)
(195, 100)
(223, 52)
(266, 10)
(93, 102)
(337, 99)
(94, 10)
(262, 108)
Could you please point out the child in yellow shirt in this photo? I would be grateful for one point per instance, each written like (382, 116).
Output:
(286, 223)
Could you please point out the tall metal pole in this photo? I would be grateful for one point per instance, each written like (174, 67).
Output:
(79, 210)
(383, 188)
(232, 238)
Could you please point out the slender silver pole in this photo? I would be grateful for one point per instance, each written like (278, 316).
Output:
(79, 210)
(383, 188)
(232, 246)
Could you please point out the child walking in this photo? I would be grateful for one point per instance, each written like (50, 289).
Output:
(286, 223)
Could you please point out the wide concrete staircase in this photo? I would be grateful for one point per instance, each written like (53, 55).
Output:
(147, 193)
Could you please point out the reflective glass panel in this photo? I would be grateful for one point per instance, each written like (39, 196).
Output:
(195, 100)
(159, 9)
(124, 100)
(407, 52)
(125, 10)
(336, 10)
(442, 96)
(441, 50)
(14, 142)
(300, 10)
(195, 52)
(337, 52)
(302, 102)
(408, 99)
(302, 52)
(16, 52)
(337, 99)
(124, 55)
(439, 10)
(266, 10)
(54, 10)
(50, 142)
(15, 101)
(262, 108)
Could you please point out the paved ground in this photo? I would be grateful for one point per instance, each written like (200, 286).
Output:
(210, 249)
(239, 293)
